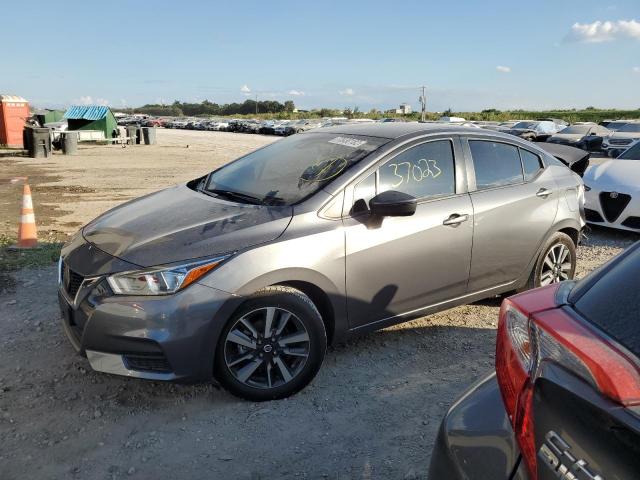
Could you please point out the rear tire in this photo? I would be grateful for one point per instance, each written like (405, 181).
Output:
(556, 262)
(272, 347)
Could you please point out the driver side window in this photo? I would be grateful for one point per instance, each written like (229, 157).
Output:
(423, 171)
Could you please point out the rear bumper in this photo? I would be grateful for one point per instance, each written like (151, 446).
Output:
(476, 440)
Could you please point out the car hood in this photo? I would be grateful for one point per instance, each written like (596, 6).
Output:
(180, 224)
(614, 174)
(520, 131)
(625, 135)
(566, 137)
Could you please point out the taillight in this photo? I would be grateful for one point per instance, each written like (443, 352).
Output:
(527, 338)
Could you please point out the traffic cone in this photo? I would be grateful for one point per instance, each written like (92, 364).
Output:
(27, 233)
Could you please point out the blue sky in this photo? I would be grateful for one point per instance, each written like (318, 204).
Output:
(560, 53)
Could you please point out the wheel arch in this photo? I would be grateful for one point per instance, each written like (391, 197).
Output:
(573, 233)
(328, 298)
(322, 302)
(569, 227)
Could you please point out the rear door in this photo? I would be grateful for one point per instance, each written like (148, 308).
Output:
(515, 200)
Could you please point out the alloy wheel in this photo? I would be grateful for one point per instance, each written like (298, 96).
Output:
(266, 348)
(557, 265)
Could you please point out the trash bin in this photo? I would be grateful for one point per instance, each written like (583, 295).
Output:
(70, 143)
(27, 138)
(133, 132)
(40, 143)
(149, 135)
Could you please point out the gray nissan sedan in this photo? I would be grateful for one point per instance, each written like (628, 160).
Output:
(247, 274)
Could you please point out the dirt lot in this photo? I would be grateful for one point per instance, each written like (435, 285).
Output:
(372, 412)
(68, 191)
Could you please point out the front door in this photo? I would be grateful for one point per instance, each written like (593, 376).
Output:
(396, 265)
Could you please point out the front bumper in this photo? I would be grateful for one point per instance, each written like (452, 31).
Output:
(171, 337)
(476, 440)
(167, 337)
(621, 212)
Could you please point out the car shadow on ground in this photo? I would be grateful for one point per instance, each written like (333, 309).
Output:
(597, 235)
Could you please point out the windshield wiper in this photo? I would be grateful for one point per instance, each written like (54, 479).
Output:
(236, 195)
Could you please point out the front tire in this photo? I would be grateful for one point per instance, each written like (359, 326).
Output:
(272, 347)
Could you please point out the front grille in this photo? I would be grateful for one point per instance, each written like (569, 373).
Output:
(613, 204)
(71, 281)
(155, 362)
(592, 215)
(620, 141)
(632, 222)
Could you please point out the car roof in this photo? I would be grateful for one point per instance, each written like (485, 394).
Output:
(395, 130)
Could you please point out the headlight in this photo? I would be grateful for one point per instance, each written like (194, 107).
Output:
(161, 281)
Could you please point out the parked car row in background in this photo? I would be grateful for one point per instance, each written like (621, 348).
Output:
(610, 136)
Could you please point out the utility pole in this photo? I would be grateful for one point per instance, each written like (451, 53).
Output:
(423, 103)
(256, 104)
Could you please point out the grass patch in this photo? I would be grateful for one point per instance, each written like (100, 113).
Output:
(11, 260)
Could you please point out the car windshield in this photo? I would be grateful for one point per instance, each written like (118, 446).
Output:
(575, 130)
(527, 125)
(632, 153)
(630, 127)
(616, 125)
(290, 170)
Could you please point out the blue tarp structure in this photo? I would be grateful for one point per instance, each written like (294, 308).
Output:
(91, 117)
(86, 112)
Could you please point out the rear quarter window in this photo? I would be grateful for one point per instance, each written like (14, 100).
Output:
(613, 302)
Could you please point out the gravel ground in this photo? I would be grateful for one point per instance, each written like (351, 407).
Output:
(68, 191)
(372, 412)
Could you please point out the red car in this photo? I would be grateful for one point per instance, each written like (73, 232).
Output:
(564, 402)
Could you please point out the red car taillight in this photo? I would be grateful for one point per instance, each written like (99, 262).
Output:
(527, 338)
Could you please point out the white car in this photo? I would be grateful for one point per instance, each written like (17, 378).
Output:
(612, 197)
(220, 126)
(622, 138)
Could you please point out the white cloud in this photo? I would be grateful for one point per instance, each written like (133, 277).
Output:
(347, 91)
(296, 93)
(245, 89)
(607, 31)
(89, 100)
(503, 69)
(636, 69)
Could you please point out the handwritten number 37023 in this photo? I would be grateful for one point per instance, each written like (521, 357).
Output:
(417, 172)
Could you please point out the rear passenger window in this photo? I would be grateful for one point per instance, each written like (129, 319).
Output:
(424, 171)
(531, 164)
(496, 164)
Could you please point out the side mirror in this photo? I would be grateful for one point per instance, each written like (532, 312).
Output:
(393, 204)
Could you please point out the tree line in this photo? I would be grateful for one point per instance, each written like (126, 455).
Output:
(275, 109)
(248, 107)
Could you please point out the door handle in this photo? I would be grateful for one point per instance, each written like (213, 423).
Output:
(544, 192)
(455, 220)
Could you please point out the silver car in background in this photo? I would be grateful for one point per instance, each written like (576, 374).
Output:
(622, 138)
(247, 274)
